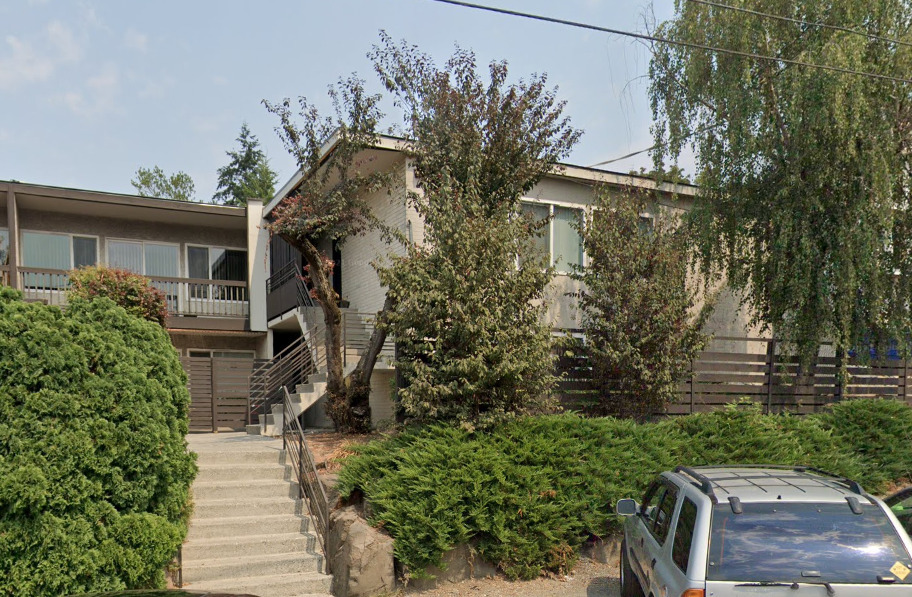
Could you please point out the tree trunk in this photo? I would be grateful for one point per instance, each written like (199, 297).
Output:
(362, 373)
(339, 408)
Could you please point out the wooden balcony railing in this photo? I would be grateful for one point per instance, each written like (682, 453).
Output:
(4, 275)
(185, 296)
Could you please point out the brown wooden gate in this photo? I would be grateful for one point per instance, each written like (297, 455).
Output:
(219, 390)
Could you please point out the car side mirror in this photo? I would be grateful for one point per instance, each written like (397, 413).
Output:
(627, 507)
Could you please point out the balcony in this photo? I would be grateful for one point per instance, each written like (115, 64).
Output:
(187, 297)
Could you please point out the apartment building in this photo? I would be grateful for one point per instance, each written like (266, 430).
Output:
(203, 257)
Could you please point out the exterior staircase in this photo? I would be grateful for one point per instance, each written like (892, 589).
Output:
(357, 328)
(249, 532)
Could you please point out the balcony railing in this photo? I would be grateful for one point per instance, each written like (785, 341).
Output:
(4, 275)
(185, 296)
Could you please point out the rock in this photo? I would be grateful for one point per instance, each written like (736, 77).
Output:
(604, 551)
(360, 556)
(458, 564)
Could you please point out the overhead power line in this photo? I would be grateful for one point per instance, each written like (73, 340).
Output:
(800, 22)
(654, 38)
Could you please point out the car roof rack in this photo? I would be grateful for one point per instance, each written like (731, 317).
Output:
(703, 482)
(851, 485)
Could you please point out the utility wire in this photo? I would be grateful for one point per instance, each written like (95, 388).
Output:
(664, 40)
(800, 22)
(630, 155)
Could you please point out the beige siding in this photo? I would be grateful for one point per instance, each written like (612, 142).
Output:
(381, 397)
(360, 284)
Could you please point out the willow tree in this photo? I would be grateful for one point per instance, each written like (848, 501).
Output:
(330, 205)
(803, 172)
(466, 314)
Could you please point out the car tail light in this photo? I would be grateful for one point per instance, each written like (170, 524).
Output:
(694, 593)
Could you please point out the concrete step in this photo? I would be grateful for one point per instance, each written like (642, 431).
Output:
(270, 456)
(216, 569)
(254, 429)
(236, 472)
(250, 545)
(243, 489)
(311, 388)
(278, 585)
(318, 377)
(230, 507)
(241, 526)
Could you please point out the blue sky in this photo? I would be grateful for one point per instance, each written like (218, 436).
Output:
(90, 90)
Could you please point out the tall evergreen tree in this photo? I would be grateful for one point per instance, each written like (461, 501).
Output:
(247, 175)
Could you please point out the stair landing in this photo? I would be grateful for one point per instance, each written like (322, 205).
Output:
(249, 533)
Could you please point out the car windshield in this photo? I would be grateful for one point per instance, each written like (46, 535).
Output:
(794, 542)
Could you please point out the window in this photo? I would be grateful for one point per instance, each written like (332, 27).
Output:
(784, 541)
(663, 514)
(560, 239)
(4, 247)
(212, 263)
(57, 251)
(45, 250)
(683, 537)
(568, 248)
(149, 259)
(222, 354)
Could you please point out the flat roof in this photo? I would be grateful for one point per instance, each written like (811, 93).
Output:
(116, 205)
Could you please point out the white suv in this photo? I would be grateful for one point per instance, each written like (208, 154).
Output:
(739, 530)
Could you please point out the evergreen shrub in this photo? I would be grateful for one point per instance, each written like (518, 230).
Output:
(94, 471)
(527, 493)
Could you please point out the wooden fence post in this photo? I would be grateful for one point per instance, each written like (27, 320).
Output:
(214, 380)
(771, 353)
(693, 380)
(906, 380)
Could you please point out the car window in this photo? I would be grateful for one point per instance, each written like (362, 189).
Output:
(683, 537)
(663, 514)
(650, 501)
(794, 542)
(902, 508)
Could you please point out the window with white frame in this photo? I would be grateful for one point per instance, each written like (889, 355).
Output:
(216, 263)
(49, 250)
(560, 239)
(150, 259)
(54, 251)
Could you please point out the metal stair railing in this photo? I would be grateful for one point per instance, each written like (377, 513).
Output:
(302, 461)
(292, 366)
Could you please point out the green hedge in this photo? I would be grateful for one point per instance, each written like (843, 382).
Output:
(94, 473)
(528, 493)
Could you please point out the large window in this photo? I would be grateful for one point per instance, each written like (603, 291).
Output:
(560, 239)
(213, 263)
(58, 251)
(51, 251)
(150, 259)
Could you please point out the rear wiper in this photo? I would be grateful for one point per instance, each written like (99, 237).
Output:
(792, 585)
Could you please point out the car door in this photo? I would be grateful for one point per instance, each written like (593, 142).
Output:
(657, 523)
(645, 519)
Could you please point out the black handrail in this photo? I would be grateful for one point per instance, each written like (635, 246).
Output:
(309, 484)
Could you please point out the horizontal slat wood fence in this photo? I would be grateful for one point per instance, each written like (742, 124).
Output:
(735, 369)
(219, 390)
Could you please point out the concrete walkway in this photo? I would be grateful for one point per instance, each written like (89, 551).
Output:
(249, 533)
